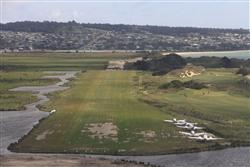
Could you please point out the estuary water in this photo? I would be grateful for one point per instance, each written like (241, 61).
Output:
(231, 157)
(15, 124)
(241, 54)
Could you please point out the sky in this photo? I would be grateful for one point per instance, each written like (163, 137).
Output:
(191, 13)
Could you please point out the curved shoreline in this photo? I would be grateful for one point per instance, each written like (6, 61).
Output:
(230, 157)
(200, 52)
(239, 54)
(16, 124)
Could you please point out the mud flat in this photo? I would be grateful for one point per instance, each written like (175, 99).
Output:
(230, 157)
(240, 54)
(15, 124)
(42, 160)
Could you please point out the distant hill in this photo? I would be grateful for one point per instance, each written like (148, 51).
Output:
(71, 35)
(53, 27)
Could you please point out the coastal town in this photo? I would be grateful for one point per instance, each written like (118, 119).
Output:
(80, 37)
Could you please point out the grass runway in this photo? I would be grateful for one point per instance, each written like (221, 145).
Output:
(122, 112)
(102, 97)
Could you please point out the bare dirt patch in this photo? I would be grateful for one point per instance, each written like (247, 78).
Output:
(105, 130)
(148, 136)
(188, 71)
(119, 64)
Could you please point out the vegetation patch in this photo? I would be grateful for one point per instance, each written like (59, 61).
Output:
(14, 101)
(158, 65)
(243, 71)
(178, 84)
(217, 62)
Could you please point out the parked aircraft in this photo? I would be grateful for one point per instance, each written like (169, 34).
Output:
(204, 137)
(171, 120)
(192, 133)
(182, 122)
(52, 111)
(175, 121)
(190, 127)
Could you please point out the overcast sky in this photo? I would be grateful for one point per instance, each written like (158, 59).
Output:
(205, 13)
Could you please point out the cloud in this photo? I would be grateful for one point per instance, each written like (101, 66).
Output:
(76, 14)
(57, 14)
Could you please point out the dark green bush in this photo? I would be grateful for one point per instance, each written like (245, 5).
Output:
(243, 71)
(178, 84)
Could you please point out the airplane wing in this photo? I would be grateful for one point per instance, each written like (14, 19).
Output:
(196, 127)
(214, 138)
(168, 121)
(185, 133)
(178, 123)
(184, 127)
(198, 134)
(197, 138)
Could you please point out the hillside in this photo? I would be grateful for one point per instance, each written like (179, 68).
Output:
(71, 35)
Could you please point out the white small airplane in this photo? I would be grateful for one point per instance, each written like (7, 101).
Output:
(171, 120)
(192, 134)
(191, 124)
(204, 137)
(52, 111)
(181, 123)
(186, 124)
(190, 127)
(174, 120)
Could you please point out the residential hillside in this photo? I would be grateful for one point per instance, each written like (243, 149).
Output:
(29, 35)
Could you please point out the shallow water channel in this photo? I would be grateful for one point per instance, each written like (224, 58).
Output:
(15, 124)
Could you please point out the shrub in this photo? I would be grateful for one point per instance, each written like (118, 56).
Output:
(243, 71)
(178, 84)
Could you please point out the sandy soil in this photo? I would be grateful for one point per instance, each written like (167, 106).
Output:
(119, 64)
(188, 71)
(105, 130)
(48, 160)
(148, 136)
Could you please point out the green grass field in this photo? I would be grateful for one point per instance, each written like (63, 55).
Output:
(59, 61)
(122, 112)
(223, 108)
